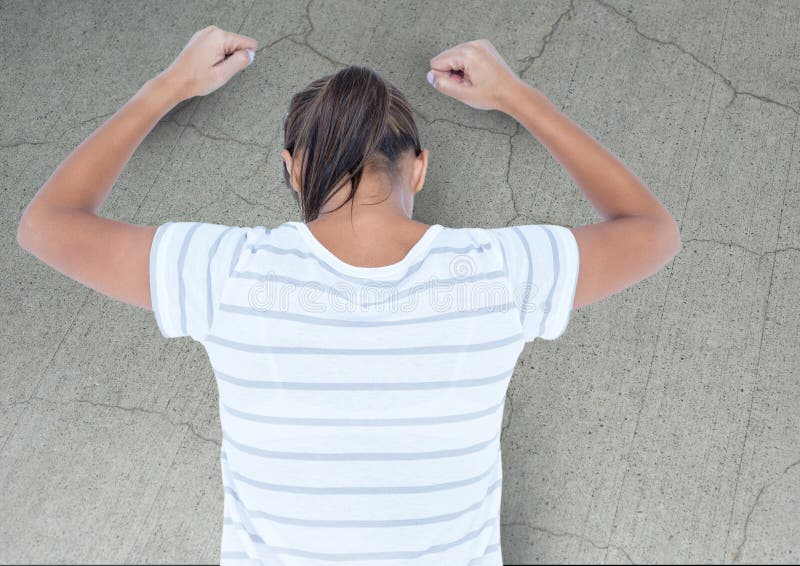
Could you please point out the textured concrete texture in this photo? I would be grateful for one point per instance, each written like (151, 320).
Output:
(662, 427)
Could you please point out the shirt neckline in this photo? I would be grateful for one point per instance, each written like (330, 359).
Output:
(326, 255)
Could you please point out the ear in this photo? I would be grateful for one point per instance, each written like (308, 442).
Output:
(287, 161)
(420, 170)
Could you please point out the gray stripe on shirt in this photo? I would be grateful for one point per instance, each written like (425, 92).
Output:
(396, 385)
(181, 283)
(417, 421)
(556, 269)
(318, 320)
(363, 490)
(361, 524)
(358, 456)
(412, 350)
(209, 292)
(524, 307)
(372, 555)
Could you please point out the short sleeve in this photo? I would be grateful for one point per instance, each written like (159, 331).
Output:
(189, 265)
(541, 263)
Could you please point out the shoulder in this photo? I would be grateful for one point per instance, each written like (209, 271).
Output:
(253, 239)
(190, 265)
(542, 263)
(476, 239)
(532, 240)
(477, 245)
(506, 244)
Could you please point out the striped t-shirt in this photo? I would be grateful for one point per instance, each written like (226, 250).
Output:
(361, 407)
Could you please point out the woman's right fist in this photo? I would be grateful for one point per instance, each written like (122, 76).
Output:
(209, 60)
(473, 73)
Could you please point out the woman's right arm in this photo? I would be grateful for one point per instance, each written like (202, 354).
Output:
(638, 235)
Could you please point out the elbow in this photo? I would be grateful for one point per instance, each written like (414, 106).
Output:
(675, 238)
(23, 231)
(670, 237)
(30, 224)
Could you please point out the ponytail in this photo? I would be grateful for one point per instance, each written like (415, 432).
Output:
(342, 123)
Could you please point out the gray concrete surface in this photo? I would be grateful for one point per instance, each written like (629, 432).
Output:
(662, 427)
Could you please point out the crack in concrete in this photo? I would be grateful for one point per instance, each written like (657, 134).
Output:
(277, 41)
(510, 137)
(508, 174)
(660, 326)
(303, 33)
(197, 210)
(308, 33)
(13, 144)
(736, 92)
(456, 123)
(248, 201)
(205, 134)
(167, 158)
(262, 165)
(742, 247)
(131, 409)
(530, 59)
(86, 296)
(560, 534)
(430, 121)
(737, 554)
(82, 122)
(48, 141)
(510, 403)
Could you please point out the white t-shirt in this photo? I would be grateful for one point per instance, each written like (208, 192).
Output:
(361, 407)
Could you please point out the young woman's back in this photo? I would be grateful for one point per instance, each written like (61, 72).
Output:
(361, 401)
(361, 406)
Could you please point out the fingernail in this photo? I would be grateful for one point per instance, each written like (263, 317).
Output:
(251, 54)
(431, 78)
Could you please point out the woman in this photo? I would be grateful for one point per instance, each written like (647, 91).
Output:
(361, 357)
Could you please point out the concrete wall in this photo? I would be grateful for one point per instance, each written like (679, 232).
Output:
(662, 427)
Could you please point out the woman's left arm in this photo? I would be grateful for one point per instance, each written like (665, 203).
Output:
(61, 227)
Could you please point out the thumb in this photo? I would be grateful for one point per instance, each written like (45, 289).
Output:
(237, 61)
(446, 83)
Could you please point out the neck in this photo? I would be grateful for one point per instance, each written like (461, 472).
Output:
(364, 216)
(376, 203)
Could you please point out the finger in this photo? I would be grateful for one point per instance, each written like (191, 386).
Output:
(448, 83)
(233, 42)
(237, 61)
(449, 60)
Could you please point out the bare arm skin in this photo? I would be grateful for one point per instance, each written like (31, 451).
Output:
(61, 227)
(638, 235)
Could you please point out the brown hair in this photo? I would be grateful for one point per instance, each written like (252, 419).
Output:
(342, 123)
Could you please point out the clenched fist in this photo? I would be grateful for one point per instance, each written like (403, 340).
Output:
(473, 73)
(209, 60)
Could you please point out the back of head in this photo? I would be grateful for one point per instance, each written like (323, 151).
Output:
(340, 124)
